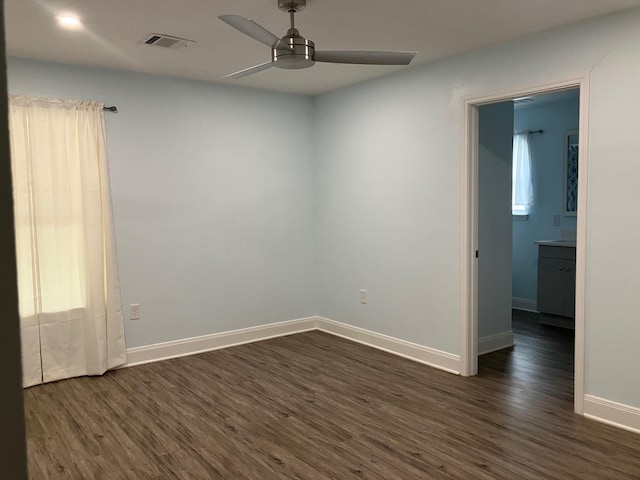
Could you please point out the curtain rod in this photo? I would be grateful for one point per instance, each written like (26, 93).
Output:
(112, 108)
(530, 131)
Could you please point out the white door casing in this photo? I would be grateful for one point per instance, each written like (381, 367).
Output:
(469, 224)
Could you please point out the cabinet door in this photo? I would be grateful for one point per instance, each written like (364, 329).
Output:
(551, 286)
(556, 286)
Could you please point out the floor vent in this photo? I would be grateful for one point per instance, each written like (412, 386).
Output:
(166, 41)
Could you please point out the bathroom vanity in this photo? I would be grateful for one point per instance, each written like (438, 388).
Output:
(557, 282)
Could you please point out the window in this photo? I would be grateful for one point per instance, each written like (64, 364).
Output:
(522, 184)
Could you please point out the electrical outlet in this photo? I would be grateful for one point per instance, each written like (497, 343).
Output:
(363, 296)
(134, 311)
(556, 220)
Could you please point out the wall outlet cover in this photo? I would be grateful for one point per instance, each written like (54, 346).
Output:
(134, 311)
(363, 296)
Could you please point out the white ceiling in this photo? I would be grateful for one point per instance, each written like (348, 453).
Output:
(436, 28)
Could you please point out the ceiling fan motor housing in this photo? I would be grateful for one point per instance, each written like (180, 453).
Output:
(299, 53)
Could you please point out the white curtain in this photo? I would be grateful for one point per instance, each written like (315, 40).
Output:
(69, 292)
(522, 182)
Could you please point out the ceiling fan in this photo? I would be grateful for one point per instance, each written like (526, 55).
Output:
(293, 51)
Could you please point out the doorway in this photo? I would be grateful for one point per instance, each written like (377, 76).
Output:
(472, 218)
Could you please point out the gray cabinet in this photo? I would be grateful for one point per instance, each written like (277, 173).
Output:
(557, 285)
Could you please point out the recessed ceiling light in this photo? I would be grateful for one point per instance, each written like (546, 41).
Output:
(68, 20)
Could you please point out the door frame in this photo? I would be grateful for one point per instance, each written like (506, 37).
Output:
(469, 223)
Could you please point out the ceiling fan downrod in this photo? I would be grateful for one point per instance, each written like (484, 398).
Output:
(292, 16)
(292, 7)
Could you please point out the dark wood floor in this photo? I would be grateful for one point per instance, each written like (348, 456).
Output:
(314, 406)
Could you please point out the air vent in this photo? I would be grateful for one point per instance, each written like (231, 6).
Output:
(165, 41)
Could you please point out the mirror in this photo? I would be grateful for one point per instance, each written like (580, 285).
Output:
(571, 141)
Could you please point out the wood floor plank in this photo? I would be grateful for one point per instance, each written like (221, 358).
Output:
(314, 406)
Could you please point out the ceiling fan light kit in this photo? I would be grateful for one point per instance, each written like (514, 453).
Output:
(293, 51)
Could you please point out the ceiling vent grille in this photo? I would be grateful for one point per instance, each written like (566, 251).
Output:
(165, 41)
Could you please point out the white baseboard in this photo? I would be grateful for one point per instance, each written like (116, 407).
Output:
(524, 304)
(418, 353)
(612, 413)
(207, 343)
(492, 343)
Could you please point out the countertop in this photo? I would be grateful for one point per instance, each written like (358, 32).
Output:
(557, 243)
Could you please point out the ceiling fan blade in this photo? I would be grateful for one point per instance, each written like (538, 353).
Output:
(249, 71)
(252, 29)
(365, 57)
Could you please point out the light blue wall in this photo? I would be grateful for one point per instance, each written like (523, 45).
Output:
(386, 211)
(213, 215)
(547, 157)
(388, 180)
(494, 219)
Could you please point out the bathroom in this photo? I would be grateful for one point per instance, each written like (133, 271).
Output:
(552, 216)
